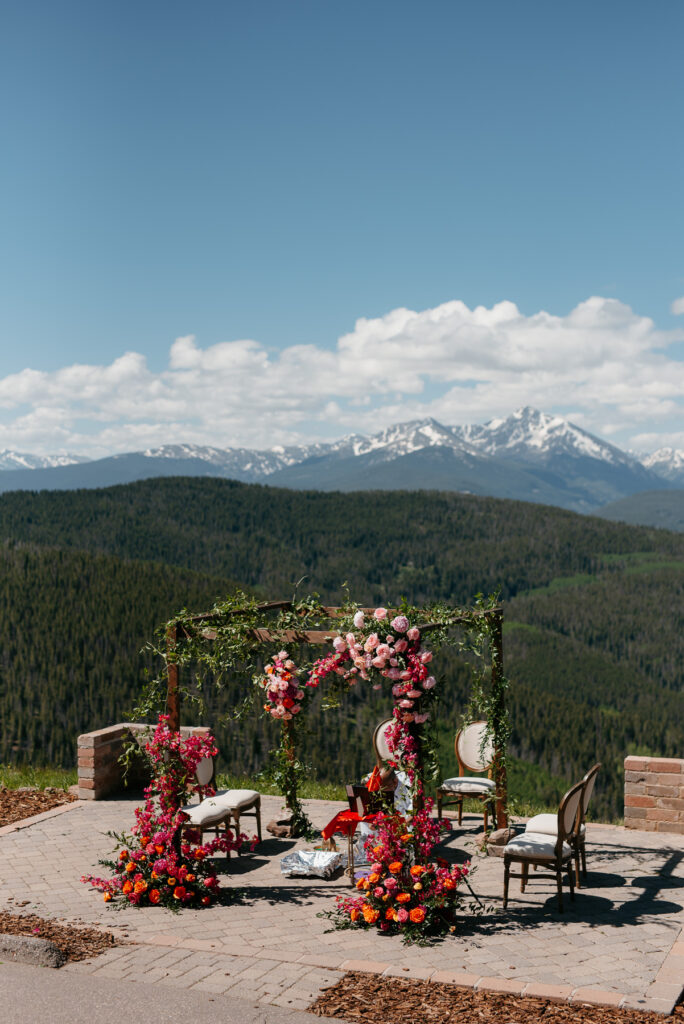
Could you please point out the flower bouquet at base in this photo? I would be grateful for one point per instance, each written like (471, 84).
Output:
(405, 892)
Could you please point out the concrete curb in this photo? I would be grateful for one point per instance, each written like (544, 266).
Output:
(27, 822)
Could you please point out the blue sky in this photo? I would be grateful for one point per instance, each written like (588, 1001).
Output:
(274, 172)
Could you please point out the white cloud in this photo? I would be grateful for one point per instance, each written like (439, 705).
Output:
(601, 365)
(677, 306)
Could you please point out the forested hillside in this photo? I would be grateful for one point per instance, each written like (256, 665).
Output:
(593, 643)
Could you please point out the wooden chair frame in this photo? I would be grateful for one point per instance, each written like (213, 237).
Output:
(559, 863)
(231, 818)
(447, 798)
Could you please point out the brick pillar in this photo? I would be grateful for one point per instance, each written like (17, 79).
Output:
(99, 772)
(654, 794)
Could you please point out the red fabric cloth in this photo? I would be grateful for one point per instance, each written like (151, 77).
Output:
(345, 822)
(375, 782)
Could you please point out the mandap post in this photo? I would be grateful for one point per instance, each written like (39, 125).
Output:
(497, 684)
(172, 673)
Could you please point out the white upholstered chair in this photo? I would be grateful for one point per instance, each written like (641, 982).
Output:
(554, 852)
(547, 824)
(471, 757)
(225, 807)
(382, 751)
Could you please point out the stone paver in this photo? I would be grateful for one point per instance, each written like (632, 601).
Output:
(619, 943)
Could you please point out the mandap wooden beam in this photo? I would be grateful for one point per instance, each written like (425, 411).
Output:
(172, 690)
(500, 776)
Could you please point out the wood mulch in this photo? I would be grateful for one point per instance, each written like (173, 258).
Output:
(376, 1000)
(77, 943)
(17, 804)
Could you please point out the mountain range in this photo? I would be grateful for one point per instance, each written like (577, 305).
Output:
(529, 456)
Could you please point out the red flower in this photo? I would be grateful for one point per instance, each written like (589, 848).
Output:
(179, 892)
(154, 895)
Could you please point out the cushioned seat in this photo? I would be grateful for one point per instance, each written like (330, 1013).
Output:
(468, 784)
(536, 844)
(209, 812)
(236, 799)
(546, 824)
(222, 808)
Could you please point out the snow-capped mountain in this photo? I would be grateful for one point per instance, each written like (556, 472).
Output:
(530, 456)
(21, 460)
(667, 463)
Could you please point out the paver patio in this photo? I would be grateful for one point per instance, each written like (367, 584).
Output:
(619, 943)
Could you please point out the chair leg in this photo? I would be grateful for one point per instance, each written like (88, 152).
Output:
(507, 871)
(576, 857)
(559, 886)
(583, 854)
(257, 811)
(525, 874)
(486, 818)
(439, 806)
(460, 809)
(571, 880)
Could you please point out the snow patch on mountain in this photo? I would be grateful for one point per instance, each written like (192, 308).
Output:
(667, 463)
(21, 460)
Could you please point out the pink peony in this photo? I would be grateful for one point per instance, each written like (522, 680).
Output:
(400, 624)
(380, 614)
(413, 633)
(429, 683)
(359, 620)
(339, 644)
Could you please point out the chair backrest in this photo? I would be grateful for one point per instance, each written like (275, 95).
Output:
(567, 814)
(469, 753)
(382, 751)
(363, 802)
(204, 773)
(588, 783)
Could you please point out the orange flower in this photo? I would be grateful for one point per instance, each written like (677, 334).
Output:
(417, 870)
(370, 916)
(189, 878)
(418, 886)
(145, 840)
(140, 887)
(395, 867)
(375, 877)
(449, 883)
(359, 883)
(127, 887)
(154, 895)
(123, 855)
(355, 913)
(377, 850)
(154, 875)
(390, 914)
(179, 892)
(171, 882)
(403, 897)
(130, 867)
(406, 837)
(159, 847)
(107, 897)
(417, 915)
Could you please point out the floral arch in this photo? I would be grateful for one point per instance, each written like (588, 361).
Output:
(384, 648)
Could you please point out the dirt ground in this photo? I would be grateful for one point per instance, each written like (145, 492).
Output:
(376, 1000)
(17, 804)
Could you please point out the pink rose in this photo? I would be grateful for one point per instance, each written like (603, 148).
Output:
(402, 916)
(429, 683)
(400, 646)
(400, 624)
(379, 662)
(383, 651)
(426, 657)
(420, 718)
(283, 655)
(351, 639)
(371, 642)
(414, 694)
(406, 704)
(377, 686)
(380, 614)
(406, 717)
(413, 633)
(359, 620)
(405, 675)
(393, 673)
(378, 891)
(339, 644)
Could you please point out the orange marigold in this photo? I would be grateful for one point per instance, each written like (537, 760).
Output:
(417, 915)
(403, 897)
(375, 877)
(417, 870)
(130, 867)
(395, 867)
(370, 915)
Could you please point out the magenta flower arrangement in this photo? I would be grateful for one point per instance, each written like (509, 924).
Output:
(159, 862)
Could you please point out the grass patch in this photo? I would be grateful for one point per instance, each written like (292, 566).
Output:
(16, 777)
(312, 789)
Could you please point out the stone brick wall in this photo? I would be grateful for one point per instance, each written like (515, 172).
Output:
(99, 771)
(654, 794)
